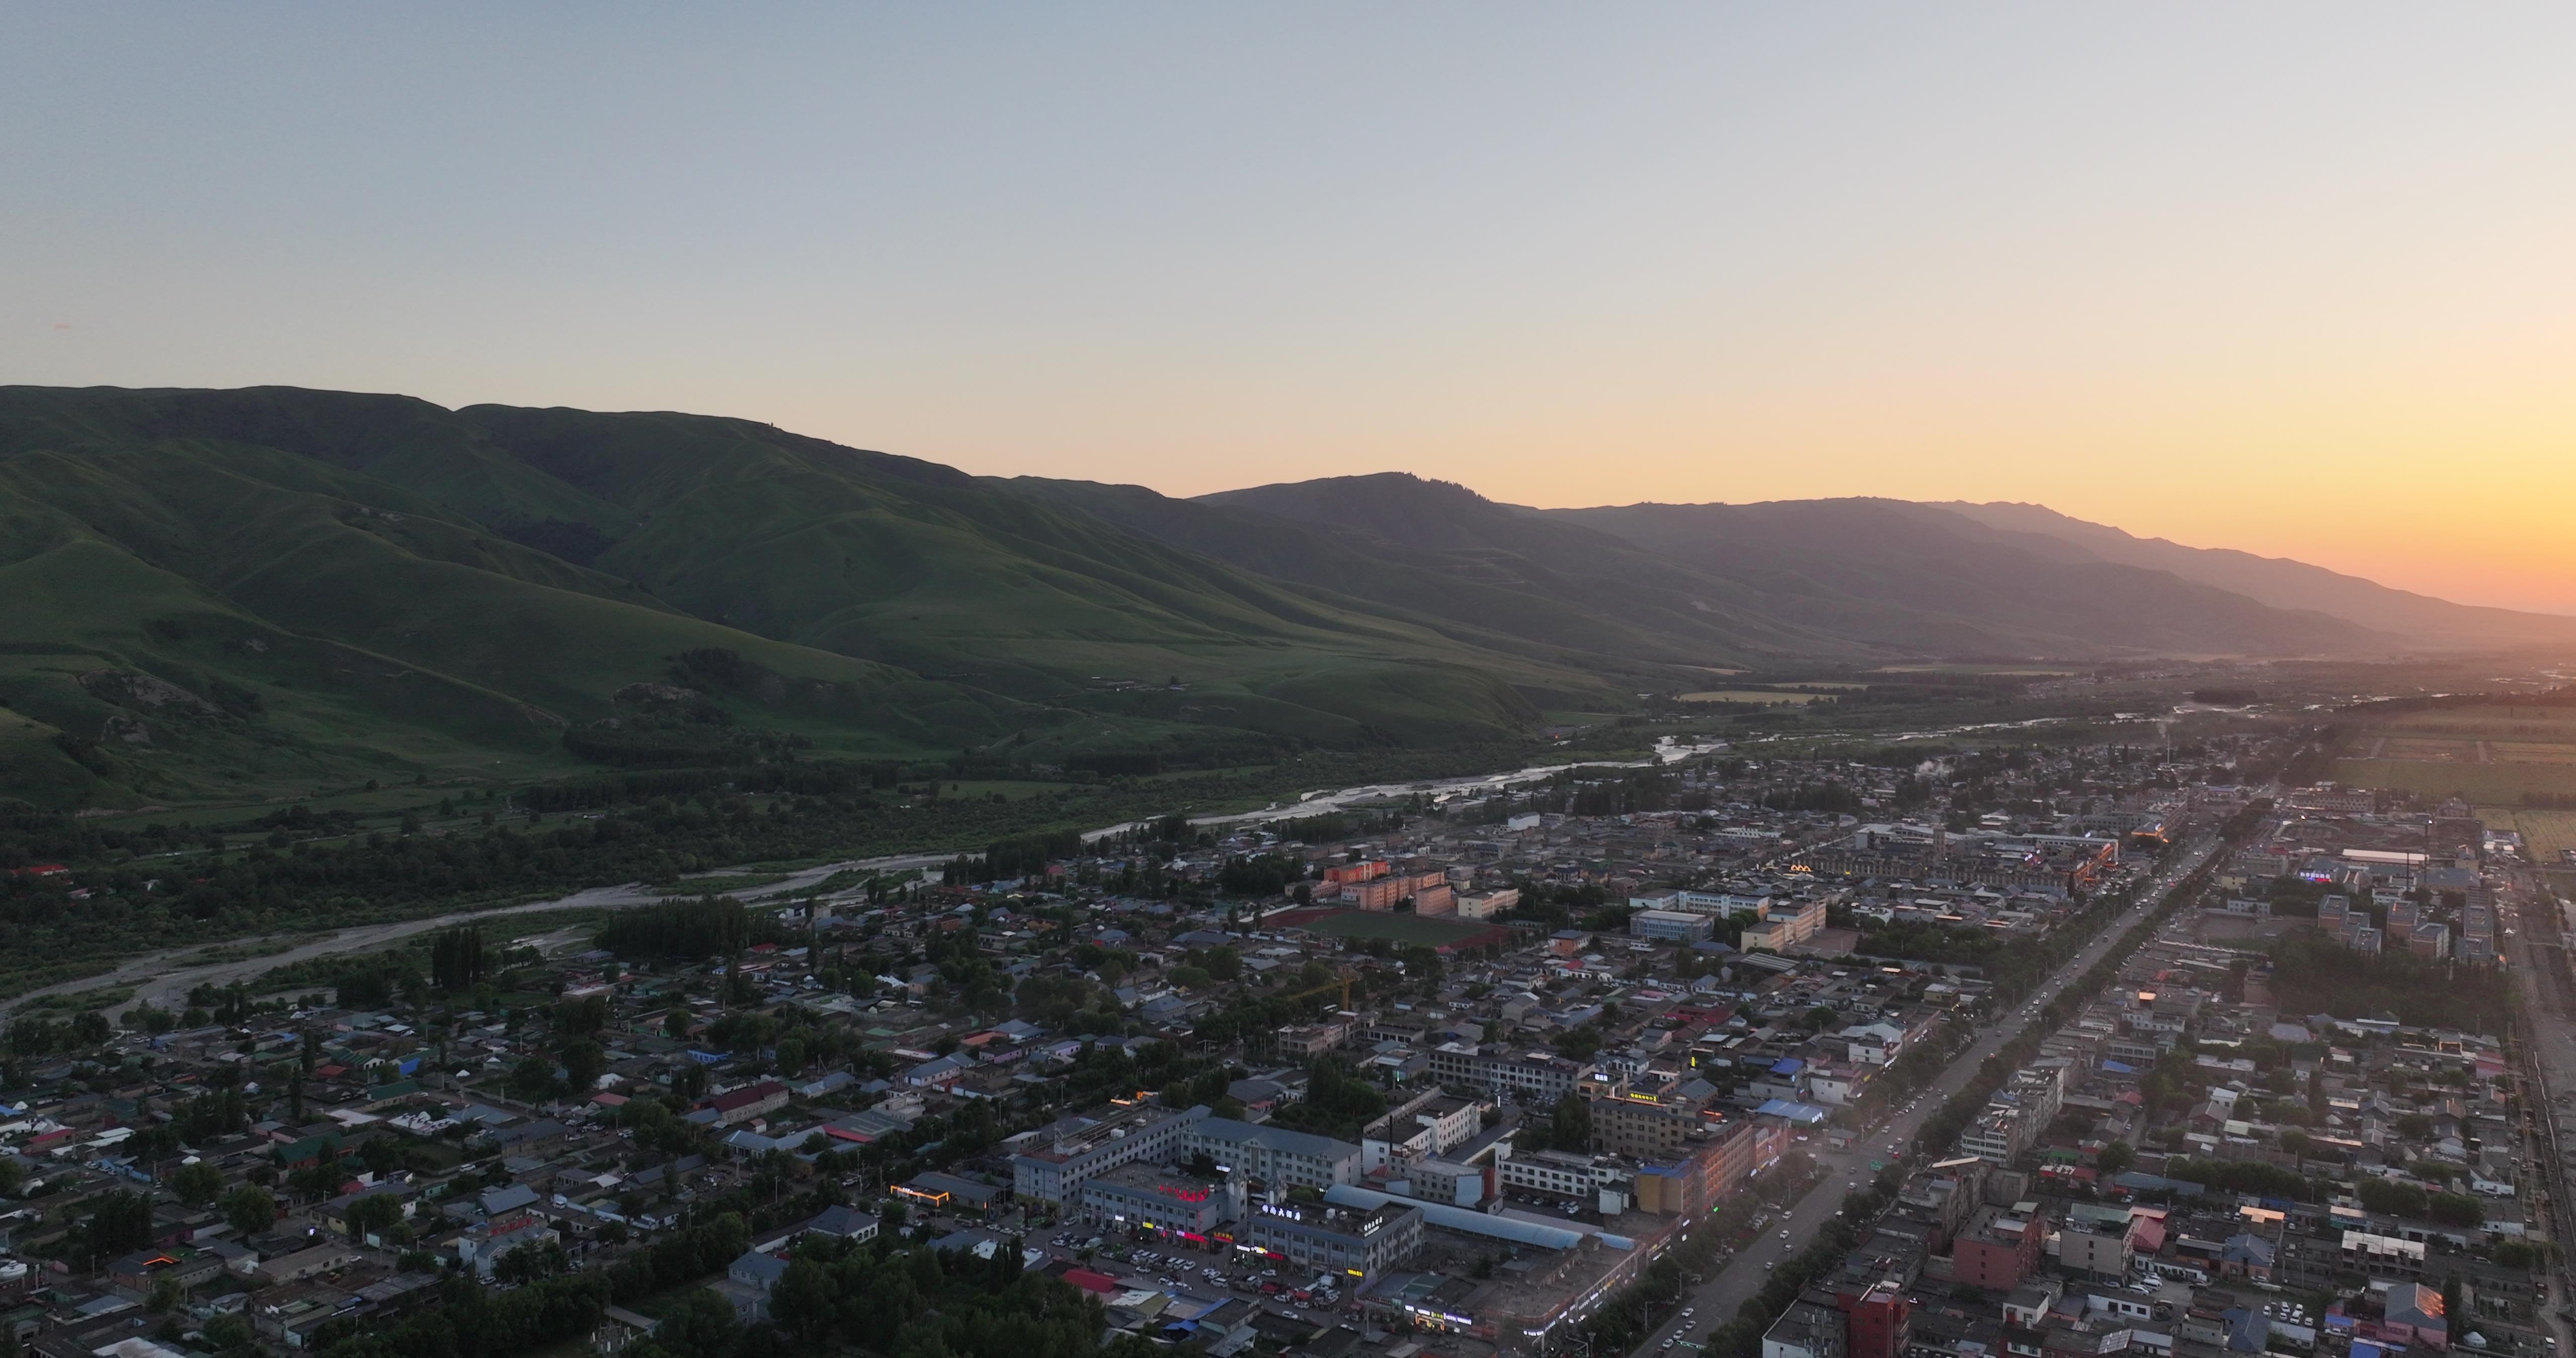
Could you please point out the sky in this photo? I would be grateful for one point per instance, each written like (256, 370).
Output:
(2295, 278)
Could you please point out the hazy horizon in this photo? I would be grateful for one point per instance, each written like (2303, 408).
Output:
(2290, 280)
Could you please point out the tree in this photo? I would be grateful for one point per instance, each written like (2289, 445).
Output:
(805, 1302)
(228, 1333)
(250, 1210)
(584, 1062)
(2116, 1159)
(1569, 1126)
(583, 1017)
(456, 958)
(119, 1221)
(371, 1215)
(533, 1078)
(699, 1325)
(380, 1154)
(197, 1183)
(2455, 1209)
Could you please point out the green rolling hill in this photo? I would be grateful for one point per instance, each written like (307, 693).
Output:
(1717, 584)
(240, 595)
(216, 593)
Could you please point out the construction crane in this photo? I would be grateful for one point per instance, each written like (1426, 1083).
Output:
(1341, 980)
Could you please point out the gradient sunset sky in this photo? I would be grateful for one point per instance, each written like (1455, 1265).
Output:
(2296, 278)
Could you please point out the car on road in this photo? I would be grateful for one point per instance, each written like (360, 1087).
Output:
(1784, 1235)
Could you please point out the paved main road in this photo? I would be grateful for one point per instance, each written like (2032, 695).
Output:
(1735, 1281)
(2536, 954)
(165, 977)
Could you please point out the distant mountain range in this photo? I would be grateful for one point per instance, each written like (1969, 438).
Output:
(270, 587)
(2420, 620)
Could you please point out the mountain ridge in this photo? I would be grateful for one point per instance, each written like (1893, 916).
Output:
(351, 585)
(1959, 590)
(2280, 581)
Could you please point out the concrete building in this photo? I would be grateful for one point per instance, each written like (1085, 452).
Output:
(1558, 1174)
(1530, 1078)
(2426, 940)
(1999, 1248)
(1163, 1199)
(1274, 1155)
(1054, 1161)
(1420, 1129)
(1627, 1121)
(2096, 1247)
(1337, 1240)
(1672, 926)
(1785, 924)
(1877, 1321)
(1807, 1330)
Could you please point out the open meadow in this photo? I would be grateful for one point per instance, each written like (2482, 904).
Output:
(2544, 833)
(2495, 756)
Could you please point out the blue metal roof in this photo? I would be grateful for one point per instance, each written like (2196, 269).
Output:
(1806, 1114)
(1465, 1221)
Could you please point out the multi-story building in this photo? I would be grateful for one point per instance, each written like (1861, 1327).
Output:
(1310, 1040)
(1387, 892)
(1627, 1121)
(1877, 1321)
(1807, 1329)
(1786, 924)
(1996, 1134)
(1528, 1077)
(1672, 926)
(1997, 1250)
(1423, 1128)
(1053, 1166)
(1274, 1155)
(1353, 1242)
(1163, 1199)
(1487, 904)
(2089, 1245)
(1559, 1174)
(2426, 940)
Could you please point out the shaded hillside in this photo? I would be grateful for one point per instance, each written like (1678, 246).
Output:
(396, 587)
(2417, 619)
(1881, 570)
(1475, 570)
(1853, 575)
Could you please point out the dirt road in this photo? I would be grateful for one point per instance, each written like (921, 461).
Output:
(165, 978)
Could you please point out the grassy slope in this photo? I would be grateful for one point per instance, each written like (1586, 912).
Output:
(347, 562)
(1593, 603)
(1886, 571)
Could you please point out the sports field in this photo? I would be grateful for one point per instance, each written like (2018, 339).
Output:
(1430, 932)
